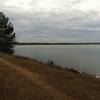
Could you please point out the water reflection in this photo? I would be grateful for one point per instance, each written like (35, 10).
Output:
(85, 57)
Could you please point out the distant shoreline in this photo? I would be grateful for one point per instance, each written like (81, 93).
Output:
(96, 43)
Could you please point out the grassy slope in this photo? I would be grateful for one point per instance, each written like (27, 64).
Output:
(15, 87)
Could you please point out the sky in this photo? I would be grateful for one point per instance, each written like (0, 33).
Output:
(54, 20)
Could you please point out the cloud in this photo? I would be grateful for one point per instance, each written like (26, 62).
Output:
(54, 20)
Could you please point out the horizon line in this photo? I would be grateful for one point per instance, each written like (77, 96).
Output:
(58, 43)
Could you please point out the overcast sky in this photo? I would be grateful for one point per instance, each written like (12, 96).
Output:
(54, 20)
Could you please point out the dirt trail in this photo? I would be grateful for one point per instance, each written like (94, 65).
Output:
(37, 79)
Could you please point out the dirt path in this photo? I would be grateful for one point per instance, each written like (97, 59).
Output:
(37, 79)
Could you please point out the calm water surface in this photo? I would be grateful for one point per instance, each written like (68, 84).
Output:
(80, 57)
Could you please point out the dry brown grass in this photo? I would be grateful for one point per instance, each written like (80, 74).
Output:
(75, 86)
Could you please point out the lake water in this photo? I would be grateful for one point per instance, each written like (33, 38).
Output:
(80, 57)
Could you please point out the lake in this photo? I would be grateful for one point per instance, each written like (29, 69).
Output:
(80, 57)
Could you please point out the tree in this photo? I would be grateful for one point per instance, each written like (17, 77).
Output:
(7, 35)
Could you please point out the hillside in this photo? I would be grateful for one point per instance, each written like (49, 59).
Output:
(26, 79)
